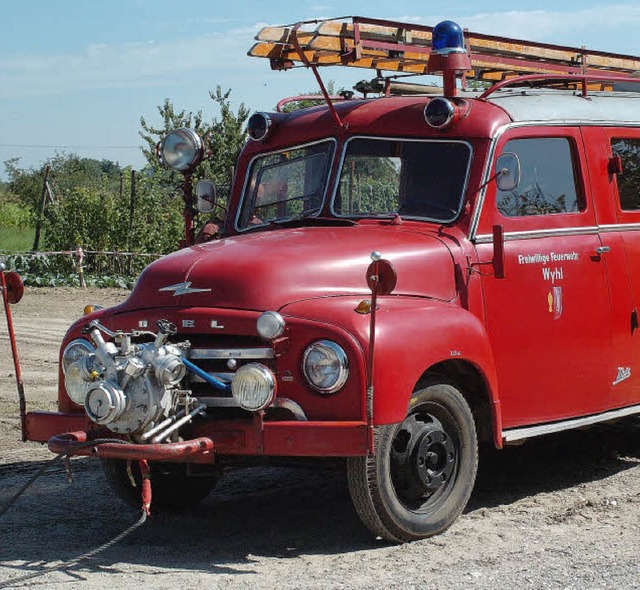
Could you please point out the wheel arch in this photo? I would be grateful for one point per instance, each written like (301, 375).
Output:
(440, 340)
(471, 383)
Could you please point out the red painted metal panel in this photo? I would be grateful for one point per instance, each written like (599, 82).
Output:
(319, 439)
(41, 426)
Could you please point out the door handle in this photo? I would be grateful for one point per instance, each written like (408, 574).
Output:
(600, 250)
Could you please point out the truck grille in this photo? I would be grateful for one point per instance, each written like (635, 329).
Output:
(222, 363)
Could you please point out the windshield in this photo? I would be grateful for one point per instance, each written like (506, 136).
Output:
(412, 178)
(286, 185)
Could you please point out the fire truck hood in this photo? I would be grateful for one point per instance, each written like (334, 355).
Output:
(270, 269)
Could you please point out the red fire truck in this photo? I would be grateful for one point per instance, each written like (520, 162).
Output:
(397, 279)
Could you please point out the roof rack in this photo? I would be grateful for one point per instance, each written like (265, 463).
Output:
(383, 45)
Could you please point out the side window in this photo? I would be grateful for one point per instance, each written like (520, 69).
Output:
(547, 181)
(629, 179)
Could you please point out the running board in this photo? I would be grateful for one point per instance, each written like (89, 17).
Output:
(516, 434)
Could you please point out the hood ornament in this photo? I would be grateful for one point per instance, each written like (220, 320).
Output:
(183, 289)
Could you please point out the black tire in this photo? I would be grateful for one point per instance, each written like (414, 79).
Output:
(423, 470)
(173, 488)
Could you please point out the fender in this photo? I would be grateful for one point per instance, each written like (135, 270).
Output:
(413, 336)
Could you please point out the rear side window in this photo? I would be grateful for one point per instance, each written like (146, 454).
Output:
(629, 179)
(548, 182)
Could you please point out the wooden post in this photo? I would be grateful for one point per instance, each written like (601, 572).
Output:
(43, 201)
(80, 267)
(132, 200)
(132, 209)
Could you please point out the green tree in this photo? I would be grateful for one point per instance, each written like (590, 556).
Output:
(224, 137)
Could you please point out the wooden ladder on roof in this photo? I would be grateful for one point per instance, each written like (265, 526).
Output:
(382, 45)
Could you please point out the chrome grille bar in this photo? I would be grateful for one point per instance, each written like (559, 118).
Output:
(230, 353)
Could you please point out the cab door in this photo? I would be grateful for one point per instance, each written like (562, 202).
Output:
(619, 188)
(548, 319)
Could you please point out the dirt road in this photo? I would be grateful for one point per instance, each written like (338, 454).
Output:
(562, 513)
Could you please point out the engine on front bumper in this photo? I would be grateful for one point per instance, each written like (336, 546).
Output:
(135, 388)
(131, 388)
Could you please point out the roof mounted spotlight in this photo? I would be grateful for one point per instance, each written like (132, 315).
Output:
(259, 126)
(442, 113)
(182, 150)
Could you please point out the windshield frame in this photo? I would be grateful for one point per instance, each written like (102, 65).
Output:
(247, 181)
(343, 155)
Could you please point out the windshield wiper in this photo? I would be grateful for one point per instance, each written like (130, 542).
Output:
(309, 217)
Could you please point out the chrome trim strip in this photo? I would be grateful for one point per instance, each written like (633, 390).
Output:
(243, 195)
(343, 154)
(218, 402)
(614, 227)
(230, 353)
(515, 434)
(540, 233)
(280, 402)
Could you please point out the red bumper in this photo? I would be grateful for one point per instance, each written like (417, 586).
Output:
(237, 437)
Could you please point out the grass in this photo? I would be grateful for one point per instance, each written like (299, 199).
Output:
(16, 239)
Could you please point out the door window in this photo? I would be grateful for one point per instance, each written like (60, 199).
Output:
(628, 149)
(547, 182)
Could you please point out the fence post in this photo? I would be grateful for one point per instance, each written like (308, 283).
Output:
(80, 267)
(132, 209)
(43, 201)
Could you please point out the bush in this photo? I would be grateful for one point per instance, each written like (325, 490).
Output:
(14, 215)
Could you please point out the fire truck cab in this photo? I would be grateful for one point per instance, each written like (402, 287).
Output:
(400, 279)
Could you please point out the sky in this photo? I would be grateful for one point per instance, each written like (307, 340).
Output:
(77, 75)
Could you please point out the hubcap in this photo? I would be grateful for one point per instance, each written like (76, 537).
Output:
(423, 459)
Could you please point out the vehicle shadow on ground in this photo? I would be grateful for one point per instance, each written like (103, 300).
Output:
(555, 462)
(270, 512)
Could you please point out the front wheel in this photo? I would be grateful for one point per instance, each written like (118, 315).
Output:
(423, 470)
(174, 488)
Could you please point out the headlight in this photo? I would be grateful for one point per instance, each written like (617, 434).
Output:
(253, 387)
(270, 325)
(75, 350)
(181, 150)
(77, 366)
(325, 366)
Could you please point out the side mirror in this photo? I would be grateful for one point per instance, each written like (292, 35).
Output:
(206, 197)
(508, 171)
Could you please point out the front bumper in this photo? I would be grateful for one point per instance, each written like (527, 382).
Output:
(254, 437)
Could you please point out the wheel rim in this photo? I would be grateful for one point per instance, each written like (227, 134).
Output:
(424, 458)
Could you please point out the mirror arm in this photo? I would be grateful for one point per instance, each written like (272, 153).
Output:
(499, 173)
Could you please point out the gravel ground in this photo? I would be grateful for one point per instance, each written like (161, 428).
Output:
(561, 512)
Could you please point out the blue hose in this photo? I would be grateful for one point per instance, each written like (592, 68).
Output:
(221, 385)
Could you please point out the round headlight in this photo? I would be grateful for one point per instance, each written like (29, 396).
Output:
(181, 150)
(270, 325)
(259, 126)
(75, 350)
(325, 366)
(253, 387)
(77, 366)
